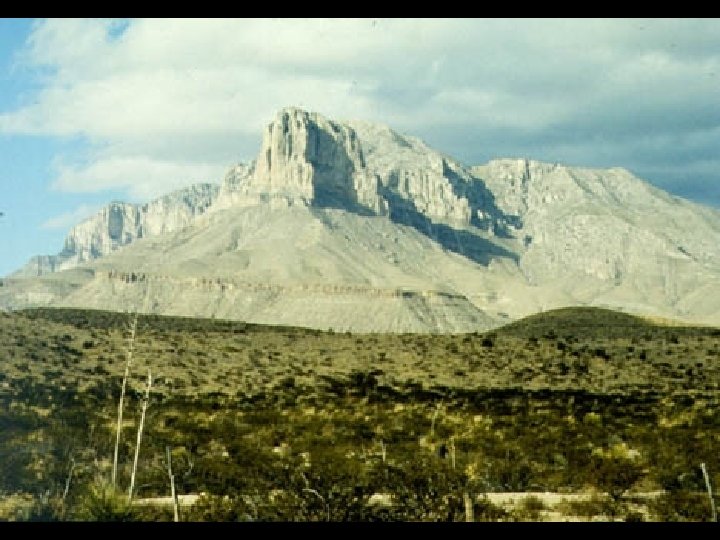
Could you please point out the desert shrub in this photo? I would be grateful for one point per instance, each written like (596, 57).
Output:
(597, 505)
(511, 472)
(102, 502)
(425, 488)
(363, 382)
(533, 504)
(46, 509)
(333, 488)
(16, 507)
(485, 510)
(634, 516)
(613, 472)
(219, 508)
(680, 506)
(529, 509)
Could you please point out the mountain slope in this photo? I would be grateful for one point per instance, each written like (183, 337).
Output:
(337, 270)
(646, 249)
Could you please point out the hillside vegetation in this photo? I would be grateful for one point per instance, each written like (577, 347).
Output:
(281, 423)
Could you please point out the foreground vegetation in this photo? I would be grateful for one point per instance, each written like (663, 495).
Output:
(273, 423)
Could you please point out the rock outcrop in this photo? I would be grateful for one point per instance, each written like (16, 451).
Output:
(309, 160)
(119, 224)
(603, 223)
(39, 265)
(421, 182)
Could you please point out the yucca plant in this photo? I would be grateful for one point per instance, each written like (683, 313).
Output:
(103, 502)
(132, 328)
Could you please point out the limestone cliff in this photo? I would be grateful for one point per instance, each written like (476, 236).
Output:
(119, 224)
(309, 160)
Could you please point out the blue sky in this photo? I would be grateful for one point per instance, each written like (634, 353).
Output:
(96, 110)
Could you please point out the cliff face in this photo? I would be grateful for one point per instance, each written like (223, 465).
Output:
(119, 224)
(420, 182)
(603, 223)
(355, 226)
(309, 160)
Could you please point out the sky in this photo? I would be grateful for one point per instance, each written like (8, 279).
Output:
(95, 110)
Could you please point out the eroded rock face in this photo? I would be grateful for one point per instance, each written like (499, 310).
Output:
(37, 266)
(419, 180)
(115, 225)
(119, 224)
(602, 223)
(306, 159)
(233, 191)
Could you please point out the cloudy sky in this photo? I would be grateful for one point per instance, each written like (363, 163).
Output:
(97, 110)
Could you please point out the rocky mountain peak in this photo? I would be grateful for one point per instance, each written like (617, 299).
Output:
(299, 223)
(308, 160)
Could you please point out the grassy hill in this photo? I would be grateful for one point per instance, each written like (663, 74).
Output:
(592, 322)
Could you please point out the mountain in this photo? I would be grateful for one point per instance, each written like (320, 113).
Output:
(353, 226)
(119, 224)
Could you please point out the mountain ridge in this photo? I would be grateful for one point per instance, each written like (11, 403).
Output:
(119, 223)
(356, 204)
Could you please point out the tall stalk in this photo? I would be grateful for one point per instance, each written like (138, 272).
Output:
(130, 350)
(708, 486)
(469, 508)
(146, 400)
(173, 494)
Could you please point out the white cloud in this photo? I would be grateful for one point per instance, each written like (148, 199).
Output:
(68, 219)
(144, 178)
(164, 102)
